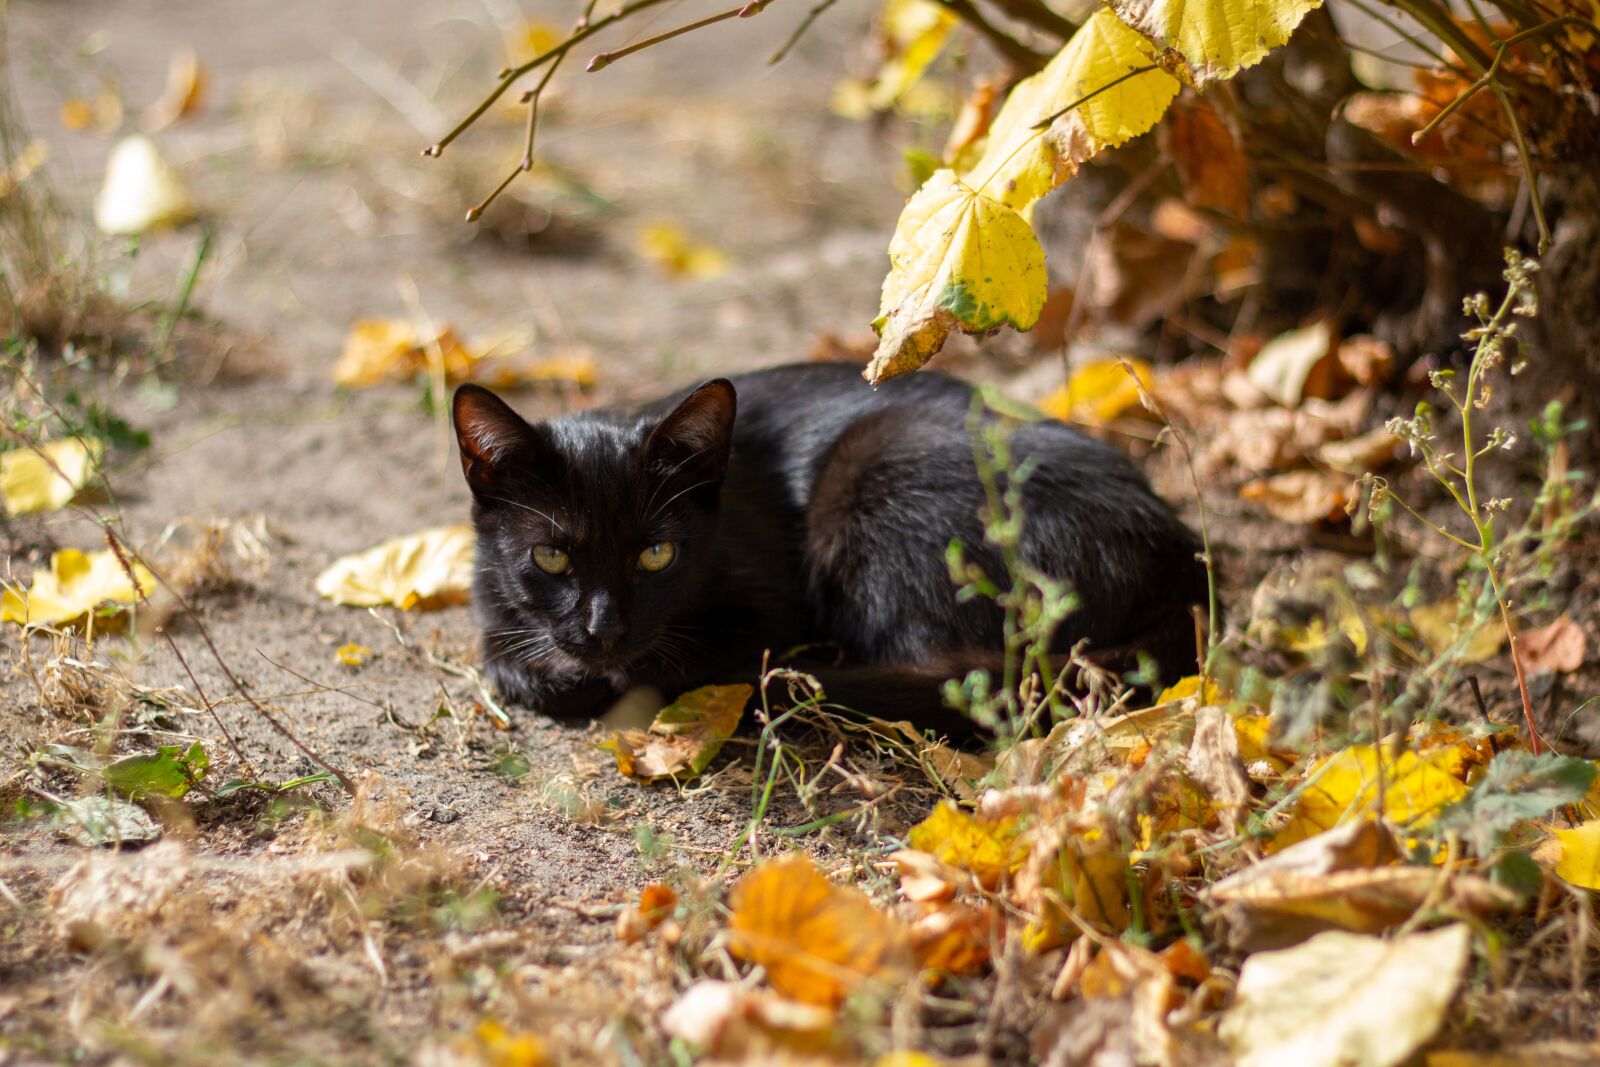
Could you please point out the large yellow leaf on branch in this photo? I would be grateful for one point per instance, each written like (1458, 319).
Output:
(963, 254)
(958, 260)
(1208, 40)
(1105, 70)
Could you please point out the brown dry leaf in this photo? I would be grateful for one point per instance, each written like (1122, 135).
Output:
(116, 894)
(1556, 647)
(1369, 453)
(186, 89)
(956, 770)
(655, 906)
(819, 942)
(1213, 762)
(1303, 496)
(972, 121)
(1211, 169)
(685, 736)
(676, 254)
(953, 939)
(1538, 1054)
(1137, 275)
(421, 571)
(1342, 999)
(1366, 360)
(390, 350)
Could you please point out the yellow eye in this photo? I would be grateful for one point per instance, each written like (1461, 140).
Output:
(658, 556)
(551, 559)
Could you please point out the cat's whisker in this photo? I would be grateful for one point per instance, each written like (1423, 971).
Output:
(681, 492)
(536, 511)
(666, 478)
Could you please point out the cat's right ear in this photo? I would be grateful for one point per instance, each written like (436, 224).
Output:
(488, 432)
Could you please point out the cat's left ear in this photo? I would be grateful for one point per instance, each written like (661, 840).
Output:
(489, 433)
(697, 437)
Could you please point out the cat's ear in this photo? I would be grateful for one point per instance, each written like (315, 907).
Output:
(488, 432)
(696, 438)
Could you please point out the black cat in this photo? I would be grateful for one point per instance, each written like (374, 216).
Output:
(672, 545)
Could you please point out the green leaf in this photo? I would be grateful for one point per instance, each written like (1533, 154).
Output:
(170, 771)
(1517, 786)
(685, 737)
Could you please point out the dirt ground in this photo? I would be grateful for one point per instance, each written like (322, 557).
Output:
(321, 212)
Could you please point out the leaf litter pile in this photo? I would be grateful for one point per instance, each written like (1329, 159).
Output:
(1330, 848)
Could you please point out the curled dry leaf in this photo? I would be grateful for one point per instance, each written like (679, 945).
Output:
(390, 350)
(731, 1023)
(186, 89)
(819, 942)
(1296, 365)
(989, 849)
(48, 478)
(1537, 1054)
(1556, 647)
(421, 571)
(953, 939)
(1342, 999)
(1100, 391)
(142, 191)
(685, 736)
(89, 586)
(1209, 42)
(655, 907)
(1371, 452)
(1213, 762)
(963, 254)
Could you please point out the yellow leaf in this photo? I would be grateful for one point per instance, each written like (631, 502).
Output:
(1216, 39)
(1345, 786)
(1580, 855)
(685, 736)
(958, 260)
(677, 254)
(1341, 999)
(1098, 392)
(142, 191)
(389, 350)
(1440, 626)
(498, 1047)
(963, 254)
(186, 88)
(352, 654)
(77, 584)
(914, 33)
(424, 570)
(1021, 163)
(818, 941)
(46, 479)
(1184, 688)
(988, 850)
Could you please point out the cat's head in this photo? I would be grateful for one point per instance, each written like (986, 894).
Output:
(593, 534)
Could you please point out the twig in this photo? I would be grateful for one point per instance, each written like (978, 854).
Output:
(800, 31)
(210, 707)
(1014, 50)
(1477, 696)
(1039, 16)
(602, 60)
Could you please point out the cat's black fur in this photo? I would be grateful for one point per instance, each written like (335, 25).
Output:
(821, 514)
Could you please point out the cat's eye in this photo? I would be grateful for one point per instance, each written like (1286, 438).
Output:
(658, 557)
(551, 559)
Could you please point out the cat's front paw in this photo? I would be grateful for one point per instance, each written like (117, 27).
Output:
(513, 684)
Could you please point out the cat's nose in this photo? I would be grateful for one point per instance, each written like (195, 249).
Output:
(604, 624)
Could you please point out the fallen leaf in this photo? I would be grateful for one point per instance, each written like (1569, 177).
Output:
(1184, 688)
(1344, 786)
(1342, 999)
(390, 350)
(1366, 360)
(1556, 647)
(1137, 275)
(103, 820)
(352, 654)
(730, 1023)
(421, 571)
(1296, 365)
(142, 191)
(1536, 1054)
(77, 585)
(819, 942)
(1303, 496)
(1440, 627)
(496, 1046)
(1369, 453)
(963, 254)
(169, 771)
(678, 255)
(1211, 169)
(186, 89)
(48, 478)
(1579, 862)
(1210, 42)
(953, 939)
(111, 897)
(1099, 391)
(685, 736)
(1213, 762)
(655, 906)
(988, 849)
